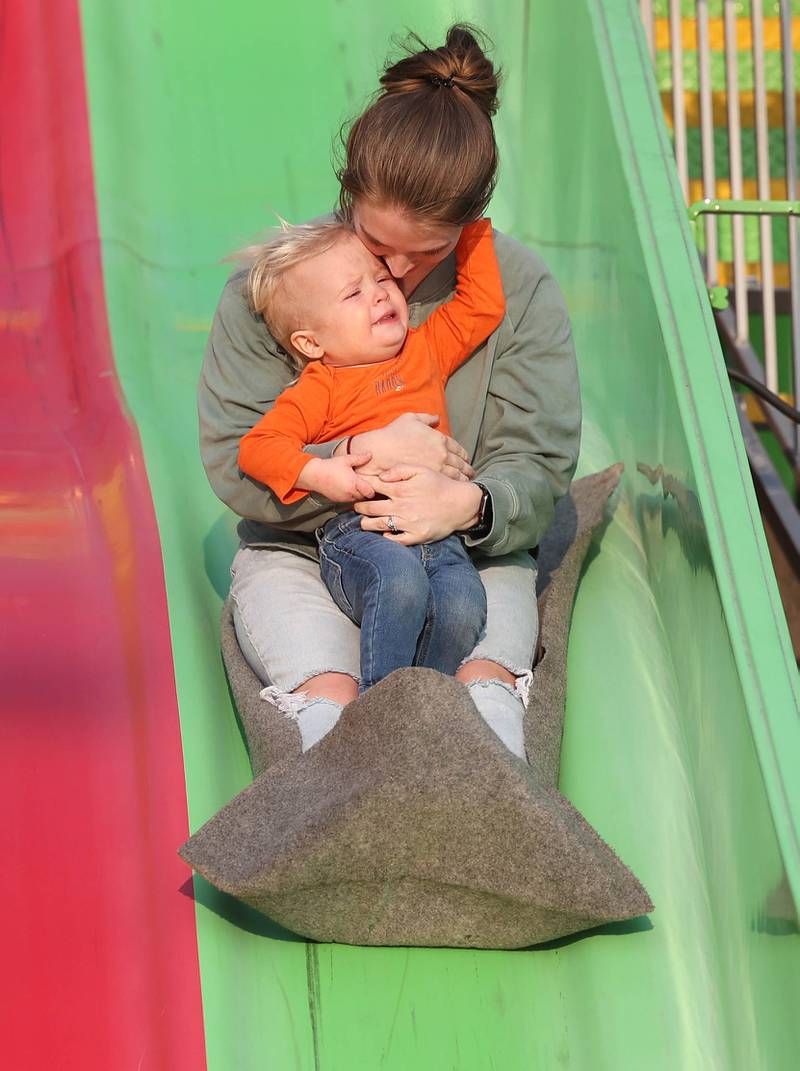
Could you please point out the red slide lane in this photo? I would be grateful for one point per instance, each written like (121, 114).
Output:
(98, 949)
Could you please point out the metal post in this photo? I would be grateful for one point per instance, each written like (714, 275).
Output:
(735, 152)
(646, 9)
(790, 139)
(707, 138)
(764, 193)
(678, 105)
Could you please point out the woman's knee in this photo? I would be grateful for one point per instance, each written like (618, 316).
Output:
(482, 669)
(506, 650)
(289, 629)
(340, 687)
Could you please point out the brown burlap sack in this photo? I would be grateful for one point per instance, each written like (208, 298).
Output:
(561, 555)
(410, 823)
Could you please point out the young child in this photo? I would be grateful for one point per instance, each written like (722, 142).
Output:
(339, 311)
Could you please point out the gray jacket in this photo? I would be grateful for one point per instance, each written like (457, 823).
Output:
(514, 406)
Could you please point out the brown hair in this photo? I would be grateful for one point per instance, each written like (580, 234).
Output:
(426, 144)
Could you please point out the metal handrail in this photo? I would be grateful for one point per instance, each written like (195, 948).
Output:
(718, 295)
(743, 208)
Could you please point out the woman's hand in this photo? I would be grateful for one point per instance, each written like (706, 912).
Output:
(412, 439)
(424, 504)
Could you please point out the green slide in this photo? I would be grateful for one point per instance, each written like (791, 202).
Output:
(682, 740)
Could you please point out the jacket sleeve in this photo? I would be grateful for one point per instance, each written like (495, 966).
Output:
(528, 447)
(457, 328)
(272, 451)
(243, 373)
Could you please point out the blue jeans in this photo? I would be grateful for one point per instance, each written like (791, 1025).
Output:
(417, 606)
(290, 629)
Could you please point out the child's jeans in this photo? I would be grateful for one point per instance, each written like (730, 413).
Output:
(417, 606)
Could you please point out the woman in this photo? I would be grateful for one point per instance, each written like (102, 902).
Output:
(421, 162)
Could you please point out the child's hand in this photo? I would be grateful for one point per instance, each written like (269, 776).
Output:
(334, 478)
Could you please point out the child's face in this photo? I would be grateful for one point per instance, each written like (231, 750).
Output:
(353, 309)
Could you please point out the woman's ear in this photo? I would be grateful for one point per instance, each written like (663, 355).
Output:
(306, 343)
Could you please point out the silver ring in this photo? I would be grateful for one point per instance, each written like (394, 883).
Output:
(392, 525)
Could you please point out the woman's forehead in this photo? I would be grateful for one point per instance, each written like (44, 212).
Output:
(398, 231)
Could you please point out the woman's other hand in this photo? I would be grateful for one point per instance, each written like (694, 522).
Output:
(425, 505)
(412, 439)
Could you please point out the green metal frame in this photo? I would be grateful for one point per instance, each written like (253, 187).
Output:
(718, 295)
(742, 208)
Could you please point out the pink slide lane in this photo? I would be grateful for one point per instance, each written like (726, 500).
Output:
(99, 950)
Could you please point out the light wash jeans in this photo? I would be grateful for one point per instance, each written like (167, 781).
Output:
(290, 629)
(416, 606)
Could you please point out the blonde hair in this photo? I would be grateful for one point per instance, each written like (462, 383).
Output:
(270, 261)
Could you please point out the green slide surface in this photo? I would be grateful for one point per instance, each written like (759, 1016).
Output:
(682, 742)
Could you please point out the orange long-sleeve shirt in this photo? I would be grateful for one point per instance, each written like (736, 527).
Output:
(330, 402)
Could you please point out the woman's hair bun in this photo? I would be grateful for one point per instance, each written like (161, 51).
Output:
(461, 63)
(426, 143)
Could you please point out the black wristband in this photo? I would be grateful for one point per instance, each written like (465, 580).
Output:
(485, 516)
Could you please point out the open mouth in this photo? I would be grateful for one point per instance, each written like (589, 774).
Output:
(387, 318)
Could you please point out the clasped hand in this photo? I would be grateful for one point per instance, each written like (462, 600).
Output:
(422, 475)
(425, 505)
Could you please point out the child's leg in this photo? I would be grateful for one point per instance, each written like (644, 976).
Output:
(457, 610)
(382, 586)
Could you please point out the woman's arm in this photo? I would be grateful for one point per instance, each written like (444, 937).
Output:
(243, 373)
(529, 441)
(456, 329)
(529, 438)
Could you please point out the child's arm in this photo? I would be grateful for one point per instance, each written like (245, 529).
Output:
(272, 451)
(457, 328)
(335, 479)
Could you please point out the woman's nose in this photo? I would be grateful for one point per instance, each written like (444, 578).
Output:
(398, 265)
